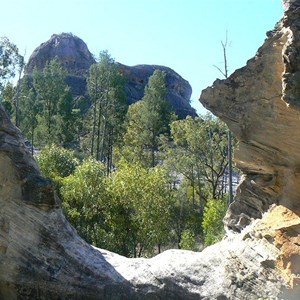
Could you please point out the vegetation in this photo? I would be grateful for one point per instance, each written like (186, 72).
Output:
(212, 224)
(132, 180)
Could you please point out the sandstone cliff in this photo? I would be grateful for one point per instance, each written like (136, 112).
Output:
(41, 256)
(76, 58)
(260, 104)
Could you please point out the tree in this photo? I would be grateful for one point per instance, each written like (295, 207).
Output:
(143, 201)
(7, 99)
(84, 201)
(68, 118)
(147, 121)
(56, 162)
(106, 91)
(199, 153)
(29, 109)
(10, 59)
(186, 218)
(155, 112)
(50, 88)
(230, 138)
(135, 138)
(213, 227)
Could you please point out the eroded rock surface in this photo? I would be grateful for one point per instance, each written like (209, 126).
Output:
(75, 57)
(261, 105)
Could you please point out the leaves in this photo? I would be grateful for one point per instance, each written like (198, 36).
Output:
(213, 227)
(10, 59)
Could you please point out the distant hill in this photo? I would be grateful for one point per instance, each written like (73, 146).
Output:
(75, 57)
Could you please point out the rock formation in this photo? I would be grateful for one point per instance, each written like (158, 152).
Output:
(76, 58)
(261, 105)
(41, 256)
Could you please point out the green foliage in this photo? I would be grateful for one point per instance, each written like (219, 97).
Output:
(10, 60)
(128, 212)
(50, 89)
(29, 109)
(144, 202)
(213, 227)
(7, 99)
(188, 240)
(186, 216)
(199, 153)
(149, 178)
(147, 121)
(56, 162)
(109, 105)
(84, 194)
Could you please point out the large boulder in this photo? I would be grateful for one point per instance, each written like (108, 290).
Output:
(76, 58)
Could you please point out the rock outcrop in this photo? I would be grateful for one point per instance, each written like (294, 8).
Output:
(261, 105)
(41, 256)
(76, 58)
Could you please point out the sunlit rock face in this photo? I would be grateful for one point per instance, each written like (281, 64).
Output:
(74, 55)
(42, 257)
(261, 105)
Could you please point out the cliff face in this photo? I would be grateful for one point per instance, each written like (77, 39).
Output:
(76, 58)
(261, 105)
(41, 256)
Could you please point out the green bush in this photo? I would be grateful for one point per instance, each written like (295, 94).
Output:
(56, 162)
(188, 240)
(84, 199)
(212, 224)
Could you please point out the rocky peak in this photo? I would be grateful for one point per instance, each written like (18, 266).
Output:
(71, 51)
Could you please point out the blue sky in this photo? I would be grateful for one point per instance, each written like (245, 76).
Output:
(184, 35)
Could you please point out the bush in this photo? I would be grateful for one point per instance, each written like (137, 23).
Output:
(84, 200)
(212, 224)
(56, 162)
(188, 240)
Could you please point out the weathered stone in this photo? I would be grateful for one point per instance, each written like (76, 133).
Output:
(260, 103)
(75, 56)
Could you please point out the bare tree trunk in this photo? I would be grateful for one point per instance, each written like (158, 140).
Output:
(230, 198)
(94, 129)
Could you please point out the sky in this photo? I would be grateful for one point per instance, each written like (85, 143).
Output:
(184, 35)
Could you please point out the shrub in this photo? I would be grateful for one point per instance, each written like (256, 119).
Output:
(212, 224)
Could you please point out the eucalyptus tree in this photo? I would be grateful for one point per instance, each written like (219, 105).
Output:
(147, 121)
(10, 60)
(50, 87)
(29, 110)
(199, 153)
(109, 104)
